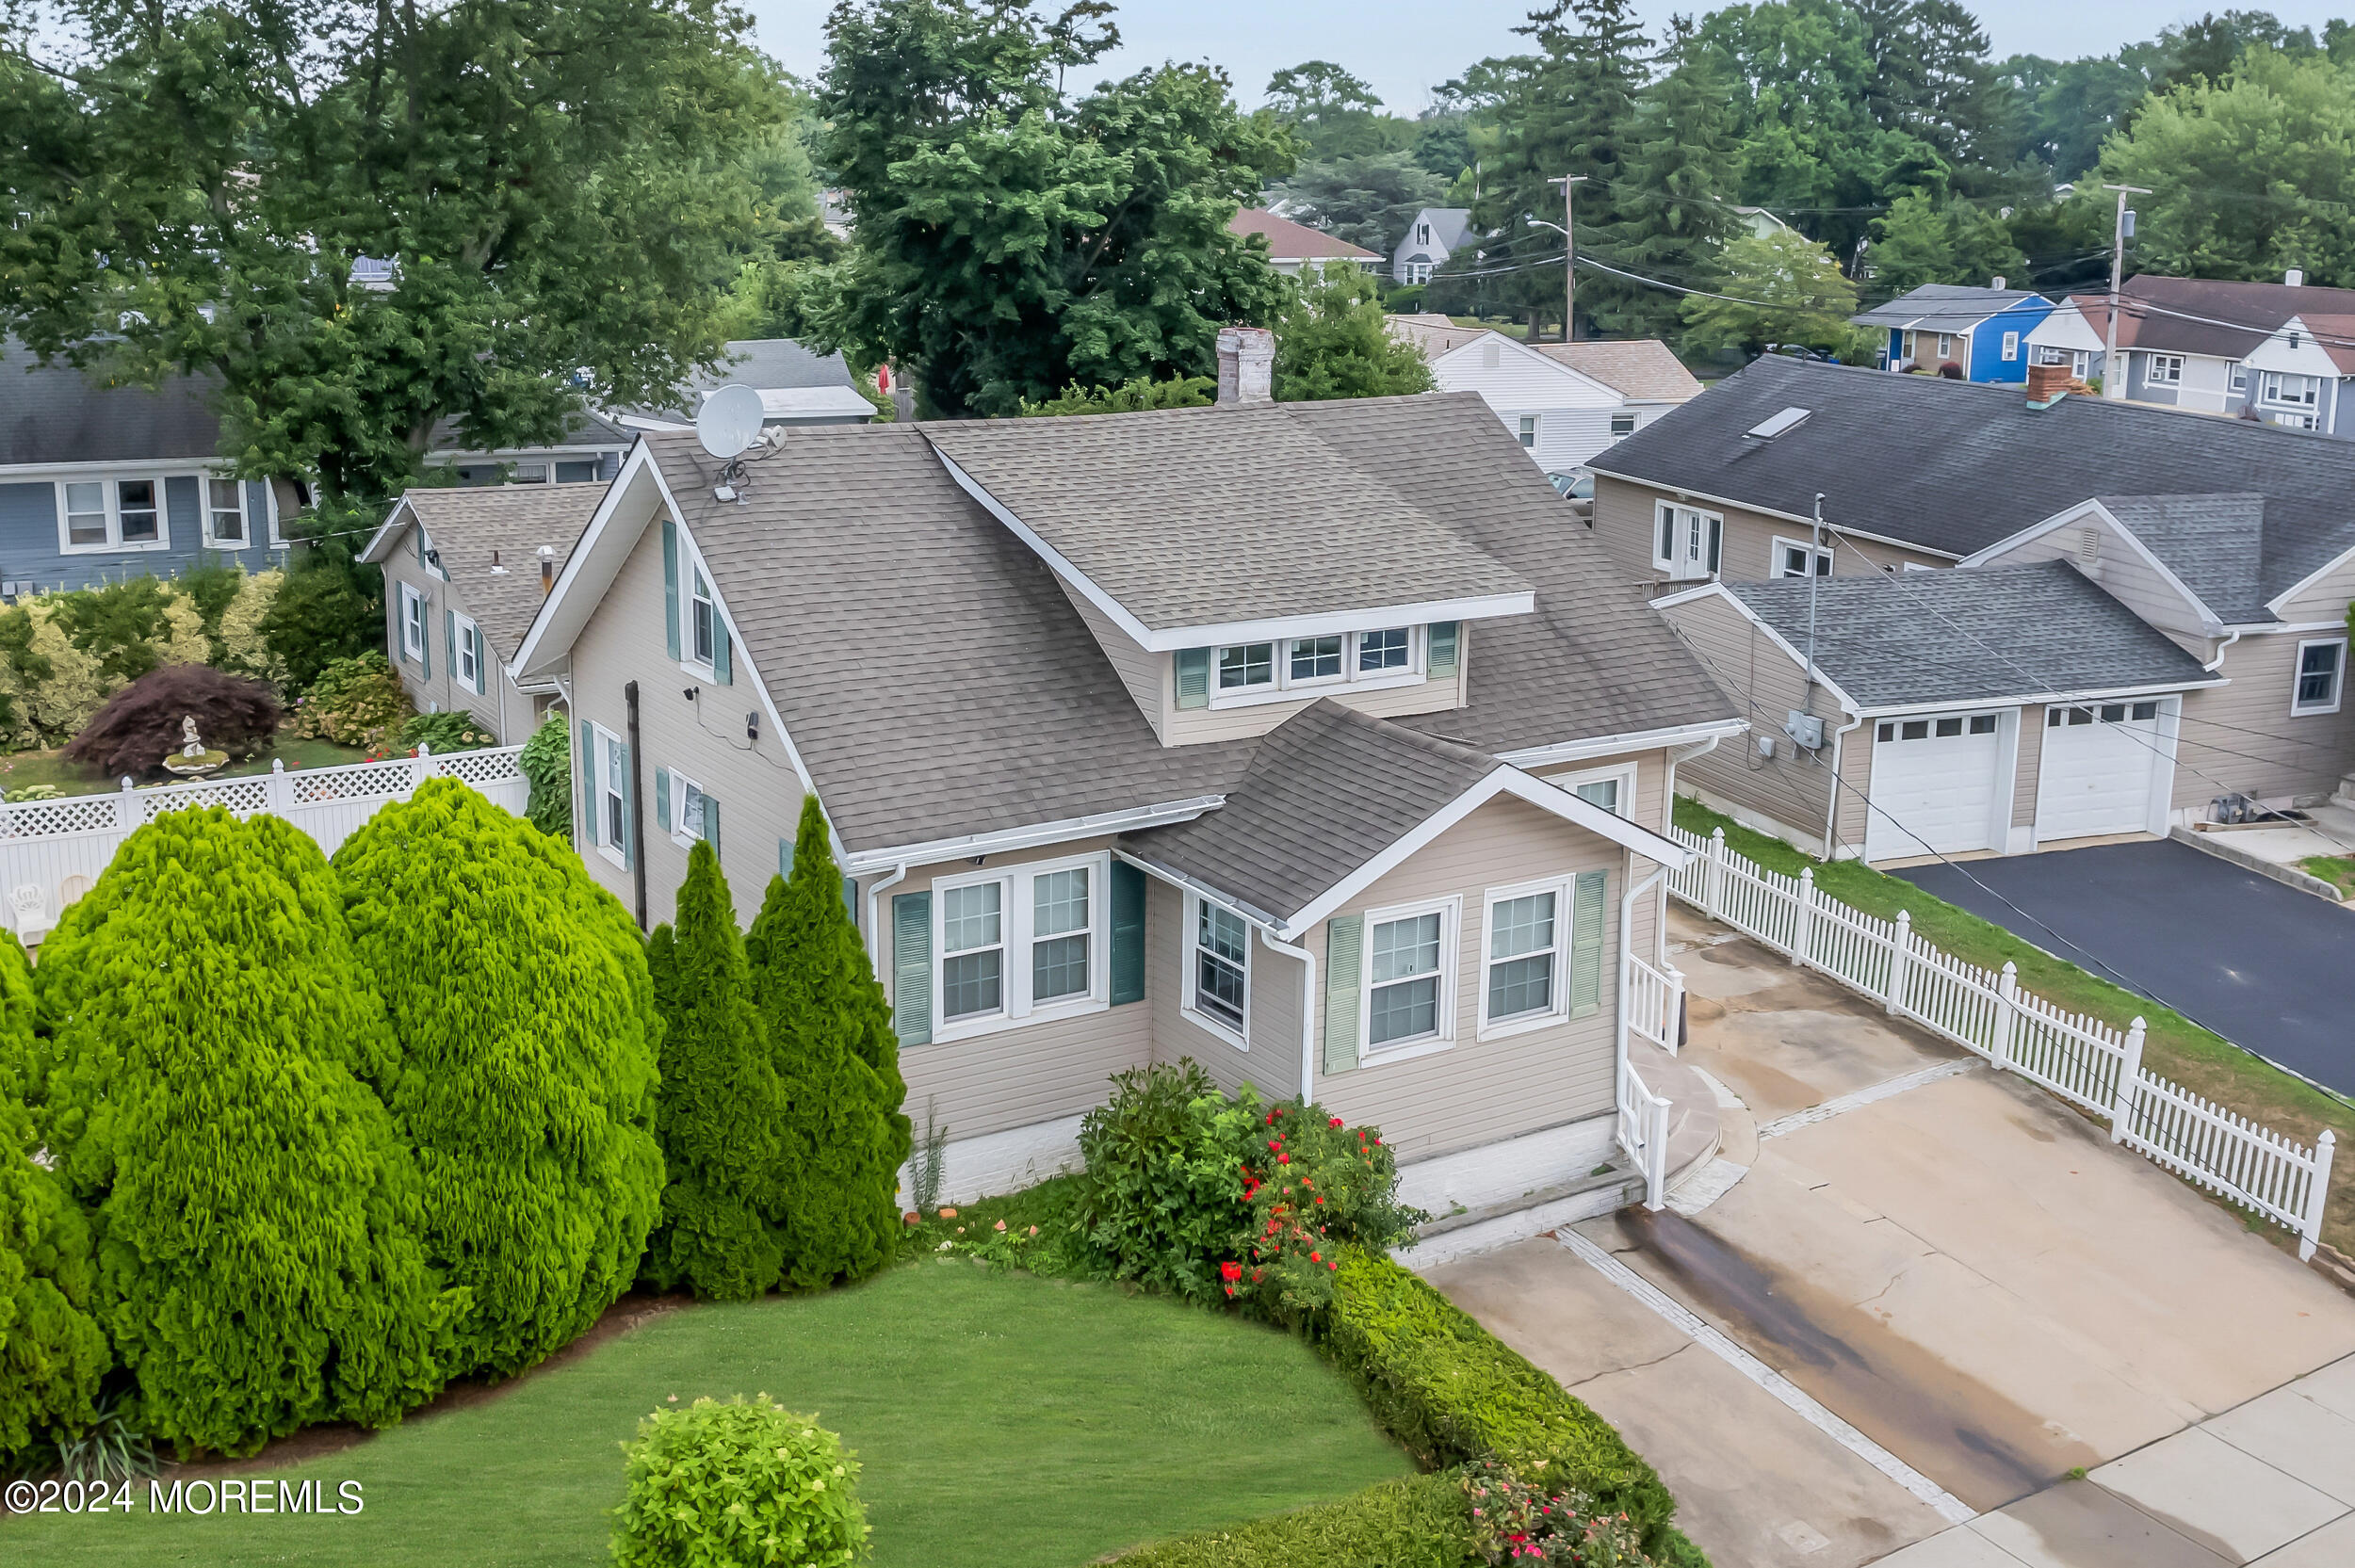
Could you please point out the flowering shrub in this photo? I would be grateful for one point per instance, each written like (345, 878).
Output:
(1514, 1522)
(454, 731)
(730, 1486)
(356, 702)
(1310, 1182)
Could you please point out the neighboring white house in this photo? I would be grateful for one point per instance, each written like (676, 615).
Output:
(1564, 402)
(1436, 234)
(796, 387)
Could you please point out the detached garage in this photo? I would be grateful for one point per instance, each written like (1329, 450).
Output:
(1940, 713)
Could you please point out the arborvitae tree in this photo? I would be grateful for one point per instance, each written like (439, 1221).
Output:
(519, 1000)
(1675, 201)
(212, 1042)
(52, 1352)
(819, 996)
(721, 1112)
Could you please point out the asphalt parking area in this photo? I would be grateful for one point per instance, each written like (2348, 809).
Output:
(2265, 966)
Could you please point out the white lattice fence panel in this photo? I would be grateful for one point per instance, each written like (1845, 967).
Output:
(243, 796)
(81, 814)
(478, 768)
(378, 781)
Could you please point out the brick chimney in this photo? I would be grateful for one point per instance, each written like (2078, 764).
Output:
(2048, 385)
(1246, 364)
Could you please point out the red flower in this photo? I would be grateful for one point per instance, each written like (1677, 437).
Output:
(1276, 1146)
(1320, 1197)
(1316, 1258)
(1230, 1290)
(1230, 1271)
(1283, 1160)
(1333, 1267)
(1271, 1118)
(1337, 1121)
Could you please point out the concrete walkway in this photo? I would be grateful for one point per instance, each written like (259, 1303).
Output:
(2270, 1483)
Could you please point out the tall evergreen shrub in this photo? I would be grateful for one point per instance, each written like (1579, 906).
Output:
(546, 764)
(519, 1000)
(52, 1353)
(721, 1111)
(819, 999)
(213, 1042)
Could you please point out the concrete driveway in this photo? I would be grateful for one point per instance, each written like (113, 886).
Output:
(1912, 1290)
(2267, 966)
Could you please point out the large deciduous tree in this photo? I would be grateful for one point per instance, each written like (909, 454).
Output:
(1331, 342)
(1917, 241)
(519, 1000)
(1781, 288)
(821, 1001)
(214, 1045)
(1008, 240)
(552, 182)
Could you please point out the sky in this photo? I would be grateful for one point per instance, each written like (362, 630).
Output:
(1404, 49)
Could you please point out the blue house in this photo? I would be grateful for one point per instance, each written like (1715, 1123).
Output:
(1984, 330)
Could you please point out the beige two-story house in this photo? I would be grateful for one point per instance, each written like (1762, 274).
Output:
(1299, 739)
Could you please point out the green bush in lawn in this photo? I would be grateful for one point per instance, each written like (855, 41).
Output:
(355, 701)
(212, 1046)
(1163, 1202)
(454, 730)
(720, 1107)
(52, 1352)
(738, 1485)
(1453, 1393)
(817, 995)
(518, 994)
(1420, 1522)
(546, 765)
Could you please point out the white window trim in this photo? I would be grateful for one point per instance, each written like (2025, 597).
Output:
(680, 785)
(2163, 370)
(602, 784)
(1217, 1026)
(1633, 424)
(1528, 428)
(462, 627)
(1945, 345)
(1661, 512)
(1624, 772)
(205, 509)
(1283, 689)
(2011, 346)
(1558, 1011)
(1451, 912)
(1017, 913)
(1781, 543)
(414, 653)
(692, 567)
(2338, 683)
(110, 486)
(2270, 392)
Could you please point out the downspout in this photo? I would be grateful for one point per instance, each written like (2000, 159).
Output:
(2217, 663)
(1832, 802)
(1307, 1009)
(874, 919)
(637, 805)
(1676, 755)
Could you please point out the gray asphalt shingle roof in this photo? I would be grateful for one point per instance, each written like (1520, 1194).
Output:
(938, 683)
(1946, 307)
(1954, 466)
(2214, 544)
(1206, 517)
(61, 414)
(1981, 635)
(1327, 791)
(764, 363)
(469, 523)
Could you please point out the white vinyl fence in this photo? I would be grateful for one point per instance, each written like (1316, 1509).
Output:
(1652, 1001)
(51, 851)
(2080, 1058)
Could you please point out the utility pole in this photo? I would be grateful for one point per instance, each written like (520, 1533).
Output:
(2113, 373)
(1569, 183)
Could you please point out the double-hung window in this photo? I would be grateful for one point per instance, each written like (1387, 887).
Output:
(690, 810)
(1686, 541)
(613, 807)
(85, 512)
(1945, 345)
(1218, 987)
(224, 511)
(1522, 983)
(466, 649)
(2011, 346)
(137, 512)
(411, 625)
(111, 514)
(1791, 557)
(1612, 788)
(1408, 994)
(2321, 672)
(1018, 944)
(702, 620)
(1529, 430)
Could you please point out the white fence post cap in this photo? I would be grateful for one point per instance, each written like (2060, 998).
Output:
(424, 749)
(278, 764)
(127, 784)
(2327, 1138)
(1905, 917)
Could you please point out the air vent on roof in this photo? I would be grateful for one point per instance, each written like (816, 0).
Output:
(1789, 419)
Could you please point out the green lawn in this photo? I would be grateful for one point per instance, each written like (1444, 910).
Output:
(1001, 1418)
(19, 769)
(2338, 870)
(2173, 1045)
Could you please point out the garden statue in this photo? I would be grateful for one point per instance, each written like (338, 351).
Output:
(193, 761)
(194, 748)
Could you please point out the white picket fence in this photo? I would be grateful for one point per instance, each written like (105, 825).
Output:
(2082, 1060)
(51, 851)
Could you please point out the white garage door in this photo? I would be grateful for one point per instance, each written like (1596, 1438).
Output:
(2101, 767)
(1934, 785)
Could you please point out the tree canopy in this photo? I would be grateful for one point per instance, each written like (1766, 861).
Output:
(1785, 288)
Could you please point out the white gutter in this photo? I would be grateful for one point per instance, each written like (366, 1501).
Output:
(2217, 663)
(972, 845)
(1307, 1012)
(2059, 698)
(1636, 740)
(874, 920)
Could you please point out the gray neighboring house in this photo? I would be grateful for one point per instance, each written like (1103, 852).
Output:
(1437, 234)
(465, 570)
(796, 386)
(1296, 738)
(2236, 539)
(2048, 713)
(588, 451)
(2282, 353)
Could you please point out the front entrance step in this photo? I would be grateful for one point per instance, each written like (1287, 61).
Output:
(1612, 1174)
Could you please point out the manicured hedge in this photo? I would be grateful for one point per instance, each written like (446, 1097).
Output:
(1419, 1522)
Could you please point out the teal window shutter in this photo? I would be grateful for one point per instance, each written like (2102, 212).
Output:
(850, 900)
(722, 667)
(449, 642)
(425, 639)
(662, 799)
(1444, 637)
(587, 752)
(911, 967)
(712, 822)
(1344, 948)
(669, 584)
(785, 859)
(1588, 906)
(419, 534)
(629, 814)
(1194, 677)
(1128, 908)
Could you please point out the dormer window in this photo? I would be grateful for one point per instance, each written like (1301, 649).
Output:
(1381, 651)
(1316, 658)
(1302, 666)
(1246, 665)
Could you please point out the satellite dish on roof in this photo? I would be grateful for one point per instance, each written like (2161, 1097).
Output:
(730, 421)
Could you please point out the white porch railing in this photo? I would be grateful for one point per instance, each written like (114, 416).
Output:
(51, 851)
(1644, 1132)
(2081, 1058)
(1653, 999)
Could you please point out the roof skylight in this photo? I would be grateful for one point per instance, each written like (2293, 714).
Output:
(1766, 429)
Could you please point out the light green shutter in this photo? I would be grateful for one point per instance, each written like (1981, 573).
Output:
(911, 967)
(425, 638)
(1127, 894)
(449, 642)
(662, 799)
(630, 814)
(785, 859)
(850, 900)
(1588, 930)
(722, 667)
(712, 822)
(587, 797)
(669, 584)
(1344, 946)
(1194, 677)
(1443, 635)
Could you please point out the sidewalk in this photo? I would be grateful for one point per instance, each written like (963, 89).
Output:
(2271, 1482)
